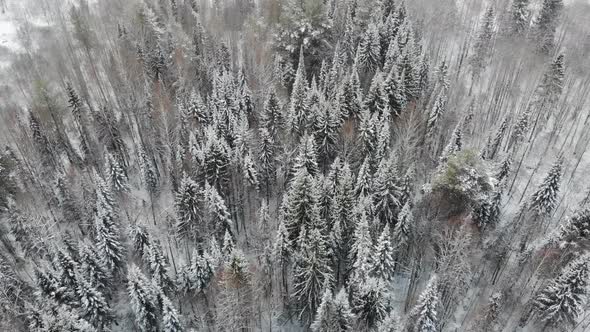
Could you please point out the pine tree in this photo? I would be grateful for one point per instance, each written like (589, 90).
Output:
(383, 262)
(561, 302)
(544, 199)
(546, 24)
(423, 317)
(371, 302)
(143, 299)
(298, 106)
(187, 204)
(311, 274)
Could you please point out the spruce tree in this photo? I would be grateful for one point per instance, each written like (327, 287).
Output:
(369, 49)
(519, 17)
(324, 316)
(389, 324)
(298, 106)
(423, 317)
(158, 267)
(218, 214)
(267, 160)
(116, 175)
(383, 262)
(300, 205)
(93, 305)
(544, 199)
(187, 204)
(307, 156)
(387, 192)
(92, 268)
(143, 299)
(343, 317)
(561, 302)
(311, 273)
(546, 24)
(272, 116)
(482, 46)
(377, 99)
(371, 302)
(361, 252)
(170, 317)
(363, 180)
(106, 228)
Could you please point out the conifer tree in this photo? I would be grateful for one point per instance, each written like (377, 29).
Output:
(389, 324)
(300, 205)
(544, 199)
(197, 110)
(228, 245)
(143, 298)
(267, 160)
(561, 302)
(343, 318)
(216, 155)
(235, 303)
(376, 100)
(116, 175)
(371, 302)
(369, 49)
(423, 317)
(394, 91)
(436, 113)
(482, 46)
(311, 274)
(219, 217)
(307, 156)
(361, 252)
(324, 316)
(187, 204)
(272, 117)
(383, 262)
(92, 268)
(363, 180)
(170, 317)
(158, 266)
(326, 126)
(93, 305)
(387, 192)
(298, 106)
(546, 24)
(106, 228)
(519, 17)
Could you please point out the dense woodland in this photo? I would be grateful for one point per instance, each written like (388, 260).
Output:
(296, 165)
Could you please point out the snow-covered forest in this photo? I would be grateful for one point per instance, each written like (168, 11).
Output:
(294, 165)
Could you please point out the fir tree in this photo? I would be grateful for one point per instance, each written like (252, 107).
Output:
(544, 199)
(561, 302)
